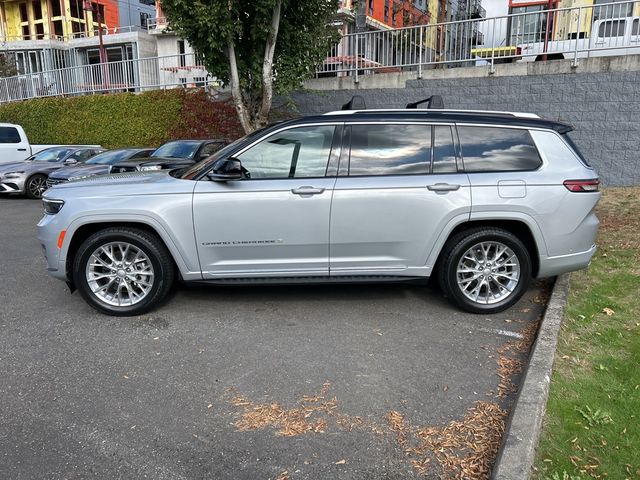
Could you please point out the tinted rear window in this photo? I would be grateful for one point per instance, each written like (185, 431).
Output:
(390, 150)
(9, 135)
(492, 149)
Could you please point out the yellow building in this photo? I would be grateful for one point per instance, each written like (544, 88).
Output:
(577, 22)
(54, 19)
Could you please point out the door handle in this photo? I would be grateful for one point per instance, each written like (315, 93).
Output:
(307, 191)
(22, 149)
(443, 187)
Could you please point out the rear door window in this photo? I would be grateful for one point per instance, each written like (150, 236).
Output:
(493, 149)
(9, 135)
(390, 150)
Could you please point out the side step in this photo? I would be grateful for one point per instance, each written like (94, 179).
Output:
(317, 280)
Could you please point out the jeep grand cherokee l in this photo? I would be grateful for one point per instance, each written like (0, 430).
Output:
(483, 200)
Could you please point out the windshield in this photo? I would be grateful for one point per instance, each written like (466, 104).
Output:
(193, 171)
(51, 155)
(110, 158)
(178, 149)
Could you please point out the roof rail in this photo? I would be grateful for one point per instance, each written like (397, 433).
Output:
(435, 111)
(434, 101)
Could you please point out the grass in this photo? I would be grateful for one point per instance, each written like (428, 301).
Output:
(592, 427)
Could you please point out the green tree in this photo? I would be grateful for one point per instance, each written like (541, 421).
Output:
(7, 66)
(257, 47)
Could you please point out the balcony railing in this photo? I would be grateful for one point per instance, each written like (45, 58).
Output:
(571, 33)
(123, 76)
(63, 38)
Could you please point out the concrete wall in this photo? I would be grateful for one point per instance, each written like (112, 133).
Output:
(601, 98)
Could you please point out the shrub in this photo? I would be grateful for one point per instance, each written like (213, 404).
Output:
(124, 119)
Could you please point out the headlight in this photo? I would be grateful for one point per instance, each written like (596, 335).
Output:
(151, 168)
(51, 207)
(13, 175)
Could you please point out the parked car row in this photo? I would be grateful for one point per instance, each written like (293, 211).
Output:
(61, 164)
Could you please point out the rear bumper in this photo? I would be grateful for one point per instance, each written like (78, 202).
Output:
(551, 266)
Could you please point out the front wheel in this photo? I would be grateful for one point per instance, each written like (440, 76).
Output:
(123, 271)
(485, 270)
(36, 186)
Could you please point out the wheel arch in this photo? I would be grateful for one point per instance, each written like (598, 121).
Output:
(85, 230)
(519, 228)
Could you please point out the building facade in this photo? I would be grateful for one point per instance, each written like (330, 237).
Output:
(42, 35)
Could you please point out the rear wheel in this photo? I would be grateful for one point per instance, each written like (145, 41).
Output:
(123, 271)
(35, 186)
(485, 270)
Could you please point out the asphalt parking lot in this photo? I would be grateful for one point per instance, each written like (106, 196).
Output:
(257, 382)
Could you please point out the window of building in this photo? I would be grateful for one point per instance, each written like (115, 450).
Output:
(612, 10)
(144, 19)
(612, 28)
(444, 152)
(492, 149)
(370, 7)
(295, 153)
(58, 29)
(39, 31)
(390, 150)
(37, 9)
(528, 28)
(9, 135)
(24, 16)
(151, 3)
(635, 28)
(56, 11)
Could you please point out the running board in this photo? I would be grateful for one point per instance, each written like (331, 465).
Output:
(308, 280)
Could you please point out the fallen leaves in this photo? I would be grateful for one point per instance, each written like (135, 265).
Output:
(288, 422)
(608, 312)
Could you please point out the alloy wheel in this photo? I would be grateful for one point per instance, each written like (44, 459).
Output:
(488, 272)
(119, 274)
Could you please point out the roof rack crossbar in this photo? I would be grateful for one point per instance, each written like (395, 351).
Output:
(434, 101)
(356, 103)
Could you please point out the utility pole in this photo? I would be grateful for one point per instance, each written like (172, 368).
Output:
(89, 6)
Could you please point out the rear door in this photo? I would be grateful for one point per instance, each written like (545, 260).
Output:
(398, 187)
(14, 146)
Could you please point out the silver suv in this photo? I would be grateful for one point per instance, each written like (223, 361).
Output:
(483, 200)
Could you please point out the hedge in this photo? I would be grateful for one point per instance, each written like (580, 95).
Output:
(124, 119)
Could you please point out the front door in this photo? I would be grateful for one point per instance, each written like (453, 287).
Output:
(275, 222)
(396, 192)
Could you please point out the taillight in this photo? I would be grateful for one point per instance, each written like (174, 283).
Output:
(582, 185)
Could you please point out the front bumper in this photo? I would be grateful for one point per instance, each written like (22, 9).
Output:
(12, 184)
(49, 228)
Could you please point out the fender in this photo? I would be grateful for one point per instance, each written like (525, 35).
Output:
(486, 216)
(188, 270)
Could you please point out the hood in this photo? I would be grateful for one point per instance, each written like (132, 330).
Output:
(122, 185)
(81, 169)
(30, 167)
(9, 167)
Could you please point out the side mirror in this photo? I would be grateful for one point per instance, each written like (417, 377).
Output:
(70, 161)
(226, 169)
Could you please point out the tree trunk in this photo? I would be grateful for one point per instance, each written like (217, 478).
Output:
(238, 100)
(267, 67)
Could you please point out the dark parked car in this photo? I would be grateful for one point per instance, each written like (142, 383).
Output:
(175, 154)
(101, 164)
(30, 176)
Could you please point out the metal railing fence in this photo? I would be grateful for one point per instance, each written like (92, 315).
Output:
(123, 76)
(577, 32)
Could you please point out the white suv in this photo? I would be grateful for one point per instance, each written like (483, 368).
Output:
(485, 200)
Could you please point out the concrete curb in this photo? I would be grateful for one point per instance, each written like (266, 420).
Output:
(518, 451)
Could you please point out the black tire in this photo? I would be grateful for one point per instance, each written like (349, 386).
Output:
(35, 186)
(461, 243)
(150, 245)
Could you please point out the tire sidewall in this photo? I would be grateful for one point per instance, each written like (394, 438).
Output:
(465, 244)
(103, 238)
